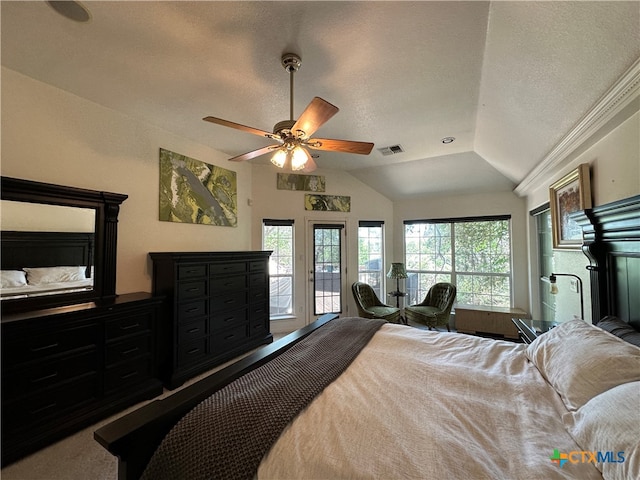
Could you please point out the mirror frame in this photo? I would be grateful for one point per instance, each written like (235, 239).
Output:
(107, 208)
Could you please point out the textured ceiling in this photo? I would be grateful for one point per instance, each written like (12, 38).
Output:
(507, 79)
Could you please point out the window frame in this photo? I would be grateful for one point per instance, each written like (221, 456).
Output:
(365, 275)
(278, 276)
(417, 293)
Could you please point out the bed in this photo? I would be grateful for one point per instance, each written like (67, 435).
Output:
(45, 263)
(360, 398)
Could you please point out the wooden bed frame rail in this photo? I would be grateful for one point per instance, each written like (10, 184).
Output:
(134, 437)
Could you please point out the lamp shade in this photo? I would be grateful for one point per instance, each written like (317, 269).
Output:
(397, 270)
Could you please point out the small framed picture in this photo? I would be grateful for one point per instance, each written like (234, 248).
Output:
(570, 194)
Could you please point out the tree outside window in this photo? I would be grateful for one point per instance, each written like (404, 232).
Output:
(473, 254)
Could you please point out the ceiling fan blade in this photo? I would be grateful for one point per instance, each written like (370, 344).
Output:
(314, 116)
(254, 153)
(237, 126)
(347, 146)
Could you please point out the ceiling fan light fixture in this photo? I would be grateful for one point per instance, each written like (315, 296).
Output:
(298, 158)
(279, 158)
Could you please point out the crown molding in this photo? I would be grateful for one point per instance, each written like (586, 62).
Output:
(619, 96)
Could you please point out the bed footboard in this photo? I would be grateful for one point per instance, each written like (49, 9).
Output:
(134, 437)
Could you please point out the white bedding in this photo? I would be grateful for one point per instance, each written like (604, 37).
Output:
(25, 291)
(427, 405)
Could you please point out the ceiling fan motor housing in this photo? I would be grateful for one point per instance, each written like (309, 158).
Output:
(280, 127)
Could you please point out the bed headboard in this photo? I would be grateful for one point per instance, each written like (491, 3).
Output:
(611, 235)
(46, 249)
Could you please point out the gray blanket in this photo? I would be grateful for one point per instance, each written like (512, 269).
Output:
(226, 436)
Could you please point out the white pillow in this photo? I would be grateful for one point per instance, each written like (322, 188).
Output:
(580, 361)
(609, 423)
(13, 278)
(44, 275)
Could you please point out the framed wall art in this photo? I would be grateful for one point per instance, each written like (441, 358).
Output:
(308, 183)
(327, 203)
(570, 194)
(192, 191)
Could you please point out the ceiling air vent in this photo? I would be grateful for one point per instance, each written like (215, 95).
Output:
(392, 150)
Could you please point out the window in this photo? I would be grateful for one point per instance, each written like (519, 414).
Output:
(277, 235)
(370, 254)
(472, 253)
(545, 259)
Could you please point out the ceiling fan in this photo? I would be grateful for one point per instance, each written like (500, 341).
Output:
(294, 135)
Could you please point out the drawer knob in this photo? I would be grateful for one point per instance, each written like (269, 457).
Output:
(129, 327)
(130, 351)
(46, 347)
(42, 409)
(45, 377)
(128, 375)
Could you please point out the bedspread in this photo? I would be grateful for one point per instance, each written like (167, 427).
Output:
(227, 435)
(426, 405)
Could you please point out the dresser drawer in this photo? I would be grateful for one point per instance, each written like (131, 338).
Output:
(231, 282)
(192, 352)
(195, 289)
(228, 301)
(258, 295)
(193, 330)
(258, 280)
(259, 326)
(257, 266)
(125, 350)
(226, 339)
(191, 271)
(228, 319)
(129, 324)
(128, 373)
(259, 311)
(38, 346)
(50, 404)
(192, 309)
(227, 268)
(24, 381)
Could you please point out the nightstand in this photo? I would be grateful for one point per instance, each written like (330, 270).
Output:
(529, 329)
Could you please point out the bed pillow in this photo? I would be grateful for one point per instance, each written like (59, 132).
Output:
(44, 275)
(13, 278)
(580, 361)
(610, 422)
(620, 329)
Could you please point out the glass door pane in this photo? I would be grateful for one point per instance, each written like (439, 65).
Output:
(327, 268)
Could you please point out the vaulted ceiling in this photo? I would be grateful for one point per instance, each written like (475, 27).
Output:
(507, 79)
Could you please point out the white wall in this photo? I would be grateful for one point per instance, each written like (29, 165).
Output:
(366, 204)
(614, 162)
(615, 174)
(503, 203)
(51, 136)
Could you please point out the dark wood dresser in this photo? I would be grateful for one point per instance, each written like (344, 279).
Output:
(217, 307)
(65, 368)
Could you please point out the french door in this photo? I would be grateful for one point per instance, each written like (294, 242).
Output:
(327, 271)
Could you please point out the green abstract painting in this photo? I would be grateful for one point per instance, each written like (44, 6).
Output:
(293, 181)
(192, 191)
(329, 203)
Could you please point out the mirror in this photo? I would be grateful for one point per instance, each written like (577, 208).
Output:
(58, 245)
(47, 249)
